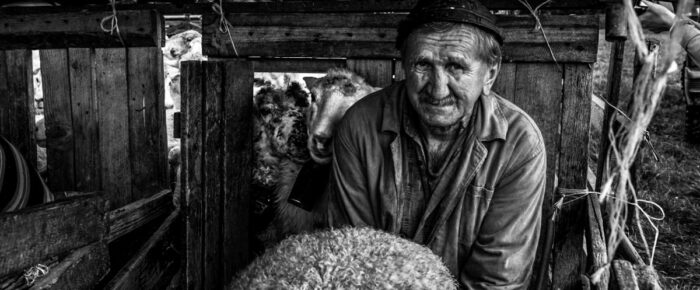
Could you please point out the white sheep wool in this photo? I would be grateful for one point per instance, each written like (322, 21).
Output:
(347, 258)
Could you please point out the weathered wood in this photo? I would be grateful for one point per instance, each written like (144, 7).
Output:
(192, 147)
(32, 235)
(81, 269)
(238, 164)
(17, 102)
(505, 83)
(85, 119)
(399, 73)
(124, 220)
(113, 119)
(625, 275)
(79, 29)
(148, 157)
(154, 259)
(368, 35)
(213, 173)
(377, 72)
(55, 80)
(615, 21)
(595, 242)
(296, 65)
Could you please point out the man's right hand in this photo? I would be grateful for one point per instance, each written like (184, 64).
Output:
(657, 17)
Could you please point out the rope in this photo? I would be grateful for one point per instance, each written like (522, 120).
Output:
(647, 135)
(113, 23)
(34, 272)
(538, 25)
(224, 24)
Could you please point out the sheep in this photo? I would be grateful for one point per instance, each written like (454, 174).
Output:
(346, 258)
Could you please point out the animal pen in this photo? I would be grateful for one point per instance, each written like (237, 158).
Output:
(120, 226)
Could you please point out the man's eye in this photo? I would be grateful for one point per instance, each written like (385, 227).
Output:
(453, 67)
(422, 65)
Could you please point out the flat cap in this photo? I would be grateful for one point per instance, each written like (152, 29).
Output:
(458, 11)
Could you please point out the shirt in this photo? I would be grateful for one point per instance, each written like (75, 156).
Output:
(483, 214)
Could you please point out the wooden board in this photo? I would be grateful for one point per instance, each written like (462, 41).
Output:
(79, 29)
(154, 260)
(113, 119)
(368, 35)
(81, 269)
(55, 81)
(17, 102)
(296, 65)
(148, 156)
(32, 235)
(192, 179)
(238, 166)
(213, 173)
(376, 72)
(85, 119)
(399, 73)
(124, 220)
(572, 172)
(505, 82)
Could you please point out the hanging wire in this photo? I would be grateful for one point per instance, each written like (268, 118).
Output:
(113, 23)
(224, 24)
(538, 25)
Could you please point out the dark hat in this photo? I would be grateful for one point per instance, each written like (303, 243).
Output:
(458, 11)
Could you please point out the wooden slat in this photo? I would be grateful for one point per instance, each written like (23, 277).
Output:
(113, 119)
(78, 29)
(17, 101)
(145, 92)
(625, 275)
(85, 119)
(296, 65)
(505, 83)
(572, 172)
(124, 220)
(377, 72)
(81, 269)
(238, 164)
(367, 35)
(192, 95)
(59, 119)
(399, 73)
(30, 236)
(213, 173)
(149, 267)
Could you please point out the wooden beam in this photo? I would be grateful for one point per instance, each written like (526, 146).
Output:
(295, 65)
(30, 236)
(376, 72)
(79, 29)
(17, 101)
(369, 35)
(81, 269)
(124, 220)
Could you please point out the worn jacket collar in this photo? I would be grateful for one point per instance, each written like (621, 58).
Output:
(490, 124)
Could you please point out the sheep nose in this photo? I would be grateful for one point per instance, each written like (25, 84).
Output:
(321, 141)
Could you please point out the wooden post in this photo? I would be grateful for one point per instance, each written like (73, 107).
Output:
(17, 101)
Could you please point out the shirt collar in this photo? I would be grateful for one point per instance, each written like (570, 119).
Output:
(490, 123)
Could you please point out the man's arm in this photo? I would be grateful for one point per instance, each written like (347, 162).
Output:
(504, 251)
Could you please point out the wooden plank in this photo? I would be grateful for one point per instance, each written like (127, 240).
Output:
(399, 73)
(192, 95)
(377, 72)
(32, 235)
(238, 164)
(78, 29)
(81, 269)
(625, 275)
(505, 83)
(296, 65)
(369, 35)
(113, 119)
(152, 262)
(17, 101)
(213, 173)
(85, 119)
(124, 220)
(55, 79)
(145, 130)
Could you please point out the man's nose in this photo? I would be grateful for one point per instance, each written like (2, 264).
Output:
(439, 89)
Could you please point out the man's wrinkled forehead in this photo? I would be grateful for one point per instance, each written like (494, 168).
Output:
(453, 41)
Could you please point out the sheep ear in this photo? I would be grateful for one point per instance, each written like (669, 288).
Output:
(310, 82)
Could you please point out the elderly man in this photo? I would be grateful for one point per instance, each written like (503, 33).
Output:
(441, 159)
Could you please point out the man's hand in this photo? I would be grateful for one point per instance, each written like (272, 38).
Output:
(657, 17)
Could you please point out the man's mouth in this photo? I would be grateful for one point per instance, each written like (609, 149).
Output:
(447, 101)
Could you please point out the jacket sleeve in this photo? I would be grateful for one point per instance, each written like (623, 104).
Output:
(690, 39)
(504, 251)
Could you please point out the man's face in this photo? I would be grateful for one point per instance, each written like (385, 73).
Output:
(444, 76)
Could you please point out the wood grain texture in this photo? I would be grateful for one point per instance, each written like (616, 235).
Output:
(124, 220)
(399, 73)
(376, 72)
(58, 111)
(81, 269)
(113, 119)
(17, 102)
(32, 235)
(149, 268)
(368, 35)
(78, 29)
(625, 275)
(85, 119)
(145, 92)
(296, 65)
(192, 96)
(505, 82)
(213, 173)
(238, 166)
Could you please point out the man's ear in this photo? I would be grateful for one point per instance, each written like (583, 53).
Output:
(490, 77)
